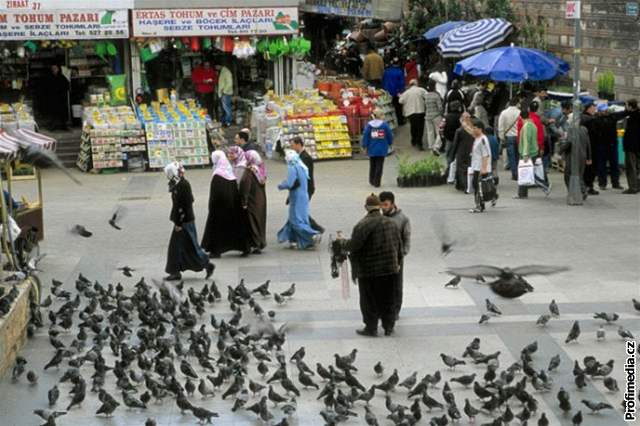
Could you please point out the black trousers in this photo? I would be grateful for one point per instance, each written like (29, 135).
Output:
(608, 164)
(397, 305)
(416, 121)
(590, 170)
(376, 165)
(377, 296)
(207, 102)
(398, 107)
(631, 167)
(314, 225)
(476, 190)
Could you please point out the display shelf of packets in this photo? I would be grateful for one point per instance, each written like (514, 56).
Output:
(301, 127)
(16, 116)
(175, 131)
(109, 133)
(332, 137)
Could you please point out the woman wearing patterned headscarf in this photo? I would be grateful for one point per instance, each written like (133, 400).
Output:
(253, 198)
(238, 161)
(226, 228)
(184, 252)
(297, 231)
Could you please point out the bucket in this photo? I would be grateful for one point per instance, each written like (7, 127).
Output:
(324, 86)
(76, 111)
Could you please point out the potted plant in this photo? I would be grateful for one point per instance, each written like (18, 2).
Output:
(606, 86)
(427, 171)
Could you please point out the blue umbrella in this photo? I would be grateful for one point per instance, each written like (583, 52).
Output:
(474, 37)
(438, 31)
(512, 64)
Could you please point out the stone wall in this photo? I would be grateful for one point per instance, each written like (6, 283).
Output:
(610, 40)
(13, 329)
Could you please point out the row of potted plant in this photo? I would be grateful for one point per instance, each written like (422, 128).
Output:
(427, 171)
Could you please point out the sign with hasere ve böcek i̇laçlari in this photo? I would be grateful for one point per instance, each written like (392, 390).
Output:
(215, 22)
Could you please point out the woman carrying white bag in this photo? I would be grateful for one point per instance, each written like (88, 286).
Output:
(530, 169)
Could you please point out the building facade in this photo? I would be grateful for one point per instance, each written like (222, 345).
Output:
(610, 39)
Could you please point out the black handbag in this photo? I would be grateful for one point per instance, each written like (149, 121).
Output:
(488, 190)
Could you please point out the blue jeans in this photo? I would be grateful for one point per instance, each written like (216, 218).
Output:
(227, 117)
(512, 156)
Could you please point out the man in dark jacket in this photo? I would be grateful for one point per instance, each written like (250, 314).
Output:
(390, 210)
(375, 251)
(631, 145)
(607, 147)
(588, 120)
(297, 144)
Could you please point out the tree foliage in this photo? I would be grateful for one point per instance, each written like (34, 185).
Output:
(425, 14)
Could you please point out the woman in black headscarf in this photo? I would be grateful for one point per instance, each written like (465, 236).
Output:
(184, 252)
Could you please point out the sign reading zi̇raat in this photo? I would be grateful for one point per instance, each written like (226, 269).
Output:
(13, 5)
(64, 25)
(215, 22)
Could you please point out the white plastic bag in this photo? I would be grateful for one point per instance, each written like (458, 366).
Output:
(453, 168)
(13, 226)
(525, 173)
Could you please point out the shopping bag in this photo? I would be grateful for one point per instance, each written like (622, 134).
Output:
(488, 190)
(469, 180)
(525, 173)
(452, 172)
(538, 170)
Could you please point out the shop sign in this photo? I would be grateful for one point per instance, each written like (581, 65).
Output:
(215, 22)
(64, 25)
(632, 9)
(22, 5)
(356, 8)
(572, 10)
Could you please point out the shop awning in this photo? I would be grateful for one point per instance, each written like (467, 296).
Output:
(11, 142)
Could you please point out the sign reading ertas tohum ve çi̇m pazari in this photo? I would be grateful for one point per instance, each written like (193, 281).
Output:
(63, 24)
(215, 22)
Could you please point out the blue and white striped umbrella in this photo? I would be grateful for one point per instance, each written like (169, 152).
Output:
(474, 37)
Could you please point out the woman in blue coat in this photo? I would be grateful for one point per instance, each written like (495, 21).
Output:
(377, 138)
(297, 231)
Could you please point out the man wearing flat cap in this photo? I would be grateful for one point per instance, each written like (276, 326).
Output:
(375, 251)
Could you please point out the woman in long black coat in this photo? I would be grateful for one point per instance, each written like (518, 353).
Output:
(254, 200)
(226, 228)
(184, 252)
(461, 151)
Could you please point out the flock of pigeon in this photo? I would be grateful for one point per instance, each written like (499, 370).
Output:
(163, 343)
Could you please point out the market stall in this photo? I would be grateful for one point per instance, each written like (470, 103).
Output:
(307, 114)
(255, 43)
(52, 59)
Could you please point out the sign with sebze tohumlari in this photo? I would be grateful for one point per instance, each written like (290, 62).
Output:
(215, 22)
(64, 25)
(572, 10)
(12, 5)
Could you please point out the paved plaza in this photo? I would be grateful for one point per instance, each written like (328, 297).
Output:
(600, 241)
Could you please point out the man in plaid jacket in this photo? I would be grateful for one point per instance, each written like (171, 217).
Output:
(375, 251)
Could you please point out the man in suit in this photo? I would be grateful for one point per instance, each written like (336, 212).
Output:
(297, 144)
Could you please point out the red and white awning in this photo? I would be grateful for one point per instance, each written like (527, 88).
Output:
(11, 142)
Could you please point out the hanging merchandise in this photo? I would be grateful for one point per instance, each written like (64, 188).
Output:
(243, 49)
(206, 43)
(33, 47)
(147, 55)
(195, 44)
(117, 84)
